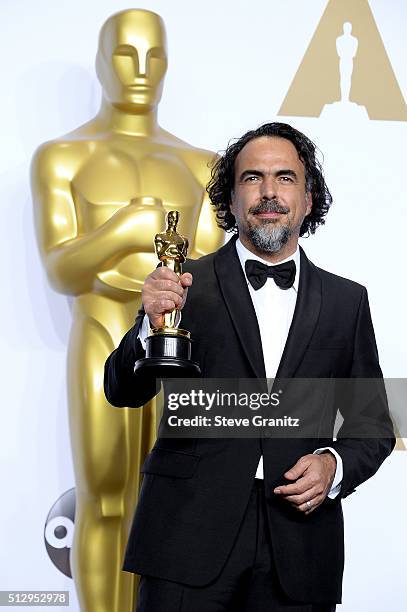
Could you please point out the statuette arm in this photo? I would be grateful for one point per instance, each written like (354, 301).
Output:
(72, 259)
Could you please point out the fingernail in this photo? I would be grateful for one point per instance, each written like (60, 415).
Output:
(277, 491)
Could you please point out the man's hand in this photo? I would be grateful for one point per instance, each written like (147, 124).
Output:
(313, 476)
(163, 290)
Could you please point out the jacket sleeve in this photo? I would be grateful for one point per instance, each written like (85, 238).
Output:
(122, 387)
(366, 436)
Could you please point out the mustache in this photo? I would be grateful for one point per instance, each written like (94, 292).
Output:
(269, 206)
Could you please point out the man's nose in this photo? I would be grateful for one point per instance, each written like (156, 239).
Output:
(268, 188)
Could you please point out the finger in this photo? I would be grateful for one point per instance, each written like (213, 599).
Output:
(186, 279)
(164, 273)
(160, 306)
(313, 505)
(161, 303)
(166, 285)
(296, 488)
(307, 506)
(156, 312)
(299, 500)
(299, 468)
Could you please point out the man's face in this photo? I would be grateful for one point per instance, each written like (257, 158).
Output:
(269, 198)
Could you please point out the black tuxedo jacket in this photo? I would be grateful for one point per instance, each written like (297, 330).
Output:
(195, 491)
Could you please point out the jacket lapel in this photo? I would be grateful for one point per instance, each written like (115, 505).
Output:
(233, 286)
(305, 318)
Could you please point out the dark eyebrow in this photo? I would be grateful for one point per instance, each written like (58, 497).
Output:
(282, 172)
(286, 172)
(250, 173)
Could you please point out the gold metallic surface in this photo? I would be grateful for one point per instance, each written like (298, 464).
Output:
(100, 193)
(171, 331)
(171, 249)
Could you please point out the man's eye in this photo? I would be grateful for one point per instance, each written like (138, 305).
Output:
(286, 179)
(251, 179)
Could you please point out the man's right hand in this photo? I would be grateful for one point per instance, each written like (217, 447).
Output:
(163, 291)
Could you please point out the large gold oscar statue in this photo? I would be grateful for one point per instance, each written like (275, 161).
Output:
(100, 195)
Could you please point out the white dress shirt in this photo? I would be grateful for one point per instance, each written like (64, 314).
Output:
(274, 309)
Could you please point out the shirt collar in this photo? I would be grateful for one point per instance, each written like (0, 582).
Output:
(244, 254)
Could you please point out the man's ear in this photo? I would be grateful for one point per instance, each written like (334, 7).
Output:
(308, 200)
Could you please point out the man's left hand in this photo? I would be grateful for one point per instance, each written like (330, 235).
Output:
(313, 476)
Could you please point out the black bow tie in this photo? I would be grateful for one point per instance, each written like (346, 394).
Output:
(257, 273)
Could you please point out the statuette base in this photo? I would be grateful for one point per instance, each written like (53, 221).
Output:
(168, 355)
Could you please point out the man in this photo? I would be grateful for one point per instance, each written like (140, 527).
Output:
(254, 524)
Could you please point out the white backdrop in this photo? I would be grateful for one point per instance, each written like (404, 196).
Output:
(231, 64)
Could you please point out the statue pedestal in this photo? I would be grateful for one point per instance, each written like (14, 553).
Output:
(344, 110)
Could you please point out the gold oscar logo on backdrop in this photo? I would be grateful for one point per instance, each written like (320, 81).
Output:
(346, 68)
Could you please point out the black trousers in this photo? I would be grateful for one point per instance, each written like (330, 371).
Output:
(247, 583)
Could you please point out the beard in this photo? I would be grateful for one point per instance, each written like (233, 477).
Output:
(268, 238)
(271, 235)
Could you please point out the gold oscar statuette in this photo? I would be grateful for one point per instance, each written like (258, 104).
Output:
(168, 348)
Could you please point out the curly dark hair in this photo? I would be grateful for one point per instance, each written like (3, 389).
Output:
(222, 180)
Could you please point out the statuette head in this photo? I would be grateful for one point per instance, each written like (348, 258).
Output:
(172, 219)
(131, 61)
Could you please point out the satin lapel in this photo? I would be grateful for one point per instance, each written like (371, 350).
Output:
(233, 286)
(304, 320)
